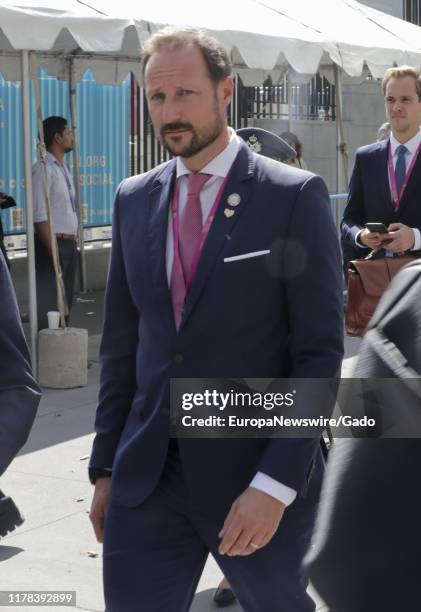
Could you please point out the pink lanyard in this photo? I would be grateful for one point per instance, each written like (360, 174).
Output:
(397, 197)
(202, 237)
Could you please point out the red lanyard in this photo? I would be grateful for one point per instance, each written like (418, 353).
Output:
(397, 197)
(203, 233)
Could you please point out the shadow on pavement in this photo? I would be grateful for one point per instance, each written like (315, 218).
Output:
(87, 311)
(7, 552)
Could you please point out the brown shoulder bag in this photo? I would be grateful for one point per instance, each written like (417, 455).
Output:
(367, 281)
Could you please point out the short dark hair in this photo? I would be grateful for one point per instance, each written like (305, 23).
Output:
(293, 140)
(52, 126)
(214, 54)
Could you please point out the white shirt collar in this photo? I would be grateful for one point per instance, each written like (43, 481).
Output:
(219, 165)
(412, 144)
(51, 159)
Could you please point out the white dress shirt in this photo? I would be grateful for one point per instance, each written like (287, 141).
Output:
(412, 147)
(219, 168)
(64, 217)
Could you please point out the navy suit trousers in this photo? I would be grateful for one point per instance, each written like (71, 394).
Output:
(154, 553)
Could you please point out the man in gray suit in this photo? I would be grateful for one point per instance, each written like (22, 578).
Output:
(19, 392)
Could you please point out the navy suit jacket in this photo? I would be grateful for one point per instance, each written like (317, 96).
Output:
(370, 200)
(19, 393)
(276, 315)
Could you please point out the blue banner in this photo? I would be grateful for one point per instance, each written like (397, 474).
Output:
(103, 142)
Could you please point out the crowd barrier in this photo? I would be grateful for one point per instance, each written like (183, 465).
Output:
(337, 205)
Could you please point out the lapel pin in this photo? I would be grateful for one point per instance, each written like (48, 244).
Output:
(229, 213)
(234, 199)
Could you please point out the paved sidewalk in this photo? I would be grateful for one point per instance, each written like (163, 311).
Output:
(55, 548)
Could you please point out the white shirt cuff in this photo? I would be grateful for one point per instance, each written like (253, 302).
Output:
(358, 243)
(273, 487)
(417, 243)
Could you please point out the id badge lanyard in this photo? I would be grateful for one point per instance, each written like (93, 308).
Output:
(397, 197)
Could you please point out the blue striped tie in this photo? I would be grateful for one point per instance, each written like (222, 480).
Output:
(400, 168)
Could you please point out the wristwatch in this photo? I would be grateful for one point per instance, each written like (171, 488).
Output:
(95, 473)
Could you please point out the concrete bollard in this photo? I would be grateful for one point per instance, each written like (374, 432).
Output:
(63, 358)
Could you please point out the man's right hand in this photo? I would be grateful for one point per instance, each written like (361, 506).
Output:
(372, 240)
(99, 506)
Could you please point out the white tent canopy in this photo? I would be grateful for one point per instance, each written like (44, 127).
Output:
(265, 35)
(355, 34)
(59, 29)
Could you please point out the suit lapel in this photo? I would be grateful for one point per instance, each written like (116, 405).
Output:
(383, 184)
(159, 202)
(239, 182)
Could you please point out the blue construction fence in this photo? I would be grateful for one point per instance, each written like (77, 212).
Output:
(103, 141)
(337, 204)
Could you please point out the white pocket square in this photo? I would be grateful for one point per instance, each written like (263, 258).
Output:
(246, 256)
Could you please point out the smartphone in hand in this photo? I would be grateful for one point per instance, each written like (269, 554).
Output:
(380, 228)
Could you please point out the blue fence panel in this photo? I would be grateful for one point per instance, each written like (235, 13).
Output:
(11, 157)
(104, 120)
(103, 140)
(337, 204)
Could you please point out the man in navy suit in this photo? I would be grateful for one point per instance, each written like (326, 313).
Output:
(237, 277)
(385, 185)
(19, 393)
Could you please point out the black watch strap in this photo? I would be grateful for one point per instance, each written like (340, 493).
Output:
(95, 473)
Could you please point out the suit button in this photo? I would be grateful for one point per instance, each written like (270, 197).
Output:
(178, 358)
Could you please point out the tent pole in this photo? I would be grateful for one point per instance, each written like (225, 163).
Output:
(76, 176)
(235, 98)
(341, 148)
(30, 247)
(141, 133)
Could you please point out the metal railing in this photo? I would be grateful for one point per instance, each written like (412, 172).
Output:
(337, 205)
(298, 101)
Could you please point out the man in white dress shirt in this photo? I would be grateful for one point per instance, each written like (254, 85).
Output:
(61, 191)
(385, 186)
(211, 275)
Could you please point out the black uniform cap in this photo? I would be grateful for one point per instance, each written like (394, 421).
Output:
(266, 143)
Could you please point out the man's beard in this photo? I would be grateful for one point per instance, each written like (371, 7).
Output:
(68, 149)
(198, 140)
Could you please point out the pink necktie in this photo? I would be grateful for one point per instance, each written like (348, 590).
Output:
(190, 229)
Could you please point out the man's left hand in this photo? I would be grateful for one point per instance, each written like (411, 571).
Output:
(401, 238)
(252, 521)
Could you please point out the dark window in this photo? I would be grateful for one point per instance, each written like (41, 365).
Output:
(412, 11)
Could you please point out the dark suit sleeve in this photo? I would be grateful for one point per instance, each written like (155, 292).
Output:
(19, 392)
(314, 295)
(355, 215)
(370, 509)
(117, 354)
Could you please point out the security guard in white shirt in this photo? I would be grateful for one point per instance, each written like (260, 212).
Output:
(58, 141)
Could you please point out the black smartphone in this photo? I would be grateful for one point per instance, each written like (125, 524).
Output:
(380, 228)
